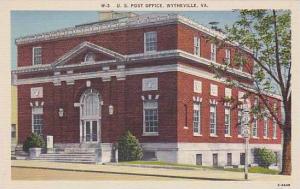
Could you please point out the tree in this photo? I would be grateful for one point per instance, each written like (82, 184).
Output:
(129, 148)
(267, 33)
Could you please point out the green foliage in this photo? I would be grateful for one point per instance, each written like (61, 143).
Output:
(129, 148)
(34, 141)
(265, 157)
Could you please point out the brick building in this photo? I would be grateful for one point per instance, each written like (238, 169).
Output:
(88, 84)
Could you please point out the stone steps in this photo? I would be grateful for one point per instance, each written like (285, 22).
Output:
(68, 157)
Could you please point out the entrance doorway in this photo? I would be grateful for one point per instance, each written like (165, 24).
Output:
(90, 116)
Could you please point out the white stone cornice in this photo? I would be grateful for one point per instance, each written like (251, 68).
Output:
(121, 24)
(149, 56)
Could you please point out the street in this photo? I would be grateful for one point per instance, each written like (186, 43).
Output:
(47, 174)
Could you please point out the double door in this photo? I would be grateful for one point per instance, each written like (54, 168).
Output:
(90, 130)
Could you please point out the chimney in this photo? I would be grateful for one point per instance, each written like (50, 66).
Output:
(112, 15)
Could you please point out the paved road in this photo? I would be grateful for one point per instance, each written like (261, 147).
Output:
(46, 174)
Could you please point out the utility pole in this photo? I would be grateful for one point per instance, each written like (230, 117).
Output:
(246, 134)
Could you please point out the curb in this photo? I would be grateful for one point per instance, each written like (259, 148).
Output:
(122, 173)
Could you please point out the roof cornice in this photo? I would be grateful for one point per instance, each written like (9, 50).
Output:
(121, 24)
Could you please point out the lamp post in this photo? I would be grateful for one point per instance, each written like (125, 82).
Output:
(246, 133)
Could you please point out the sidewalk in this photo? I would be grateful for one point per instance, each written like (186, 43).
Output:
(142, 171)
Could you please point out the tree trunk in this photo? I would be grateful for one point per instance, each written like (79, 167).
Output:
(286, 154)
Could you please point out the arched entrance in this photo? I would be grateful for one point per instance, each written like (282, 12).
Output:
(90, 116)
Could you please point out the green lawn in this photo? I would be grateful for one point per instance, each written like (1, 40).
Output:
(160, 163)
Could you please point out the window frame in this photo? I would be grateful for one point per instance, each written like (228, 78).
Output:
(227, 56)
(145, 132)
(266, 128)
(227, 125)
(214, 106)
(37, 111)
(255, 126)
(197, 123)
(34, 55)
(213, 52)
(150, 42)
(274, 129)
(197, 46)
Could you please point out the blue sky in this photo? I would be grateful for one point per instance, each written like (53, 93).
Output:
(31, 22)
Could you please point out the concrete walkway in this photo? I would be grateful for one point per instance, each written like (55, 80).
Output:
(198, 174)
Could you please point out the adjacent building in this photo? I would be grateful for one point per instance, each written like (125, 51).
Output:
(150, 74)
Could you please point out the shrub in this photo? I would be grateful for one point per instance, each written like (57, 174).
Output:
(129, 148)
(34, 141)
(265, 157)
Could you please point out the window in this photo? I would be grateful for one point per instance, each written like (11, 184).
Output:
(266, 127)
(242, 158)
(240, 117)
(228, 92)
(213, 90)
(227, 56)
(229, 159)
(89, 57)
(197, 86)
(150, 117)
(150, 41)
(213, 119)
(198, 159)
(13, 131)
(274, 129)
(197, 46)
(254, 128)
(215, 160)
(213, 52)
(227, 121)
(37, 120)
(36, 55)
(197, 115)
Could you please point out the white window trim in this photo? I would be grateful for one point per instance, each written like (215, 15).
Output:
(145, 42)
(33, 112)
(213, 52)
(266, 125)
(227, 56)
(144, 125)
(229, 124)
(255, 122)
(197, 44)
(274, 124)
(215, 121)
(199, 121)
(33, 48)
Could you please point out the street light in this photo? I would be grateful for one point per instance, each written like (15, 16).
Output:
(246, 133)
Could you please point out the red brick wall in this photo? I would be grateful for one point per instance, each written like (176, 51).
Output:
(124, 95)
(186, 43)
(185, 96)
(116, 41)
